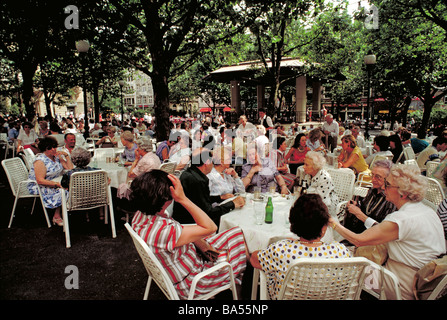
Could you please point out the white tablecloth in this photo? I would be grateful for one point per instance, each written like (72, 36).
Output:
(259, 237)
(116, 173)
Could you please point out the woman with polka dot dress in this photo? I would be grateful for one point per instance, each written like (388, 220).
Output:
(309, 220)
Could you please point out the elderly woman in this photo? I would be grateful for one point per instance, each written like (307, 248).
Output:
(374, 207)
(321, 181)
(262, 141)
(277, 156)
(27, 138)
(128, 155)
(261, 172)
(110, 140)
(351, 157)
(413, 234)
(81, 159)
(309, 220)
(224, 181)
(173, 243)
(48, 166)
(297, 153)
(145, 158)
(181, 152)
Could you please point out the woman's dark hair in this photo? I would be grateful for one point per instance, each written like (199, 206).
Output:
(383, 142)
(296, 143)
(308, 216)
(54, 127)
(150, 191)
(398, 146)
(47, 143)
(278, 142)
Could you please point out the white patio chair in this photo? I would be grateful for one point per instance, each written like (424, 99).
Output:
(321, 279)
(386, 274)
(17, 175)
(88, 190)
(344, 180)
(157, 272)
(409, 153)
(28, 157)
(412, 162)
(434, 193)
(430, 167)
(168, 167)
(440, 290)
(7, 145)
(101, 154)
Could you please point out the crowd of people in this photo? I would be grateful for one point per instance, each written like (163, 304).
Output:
(217, 162)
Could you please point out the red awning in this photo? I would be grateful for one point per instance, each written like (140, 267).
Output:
(205, 110)
(226, 109)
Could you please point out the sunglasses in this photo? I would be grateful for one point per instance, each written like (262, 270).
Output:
(378, 177)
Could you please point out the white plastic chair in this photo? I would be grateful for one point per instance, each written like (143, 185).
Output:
(412, 162)
(28, 157)
(440, 289)
(87, 190)
(344, 180)
(430, 167)
(409, 153)
(434, 193)
(321, 279)
(168, 167)
(7, 145)
(387, 274)
(17, 175)
(156, 272)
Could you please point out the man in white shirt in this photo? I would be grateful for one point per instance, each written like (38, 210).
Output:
(246, 129)
(330, 129)
(70, 143)
(355, 131)
(431, 152)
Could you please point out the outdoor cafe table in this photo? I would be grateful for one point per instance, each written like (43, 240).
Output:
(259, 237)
(116, 173)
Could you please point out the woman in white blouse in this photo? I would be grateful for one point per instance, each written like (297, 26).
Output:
(28, 138)
(321, 182)
(223, 180)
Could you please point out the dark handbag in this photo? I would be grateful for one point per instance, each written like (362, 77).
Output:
(206, 251)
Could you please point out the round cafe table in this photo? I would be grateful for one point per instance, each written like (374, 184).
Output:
(116, 173)
(259, 237)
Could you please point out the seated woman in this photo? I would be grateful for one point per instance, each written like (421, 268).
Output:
(48, 166)
(381, 145)
(351, 157)
(173, 243)
(314, 140)
(145, 158)
(180, 153)
(110, 140)
(413, 234)
(80, 158)
(309, 220)
(260, 172)
(297, 153)
(277, 157)
(128, 155)
(321, 181)
(27, 138)
(396, 148)
(374, 207)
(224, 181)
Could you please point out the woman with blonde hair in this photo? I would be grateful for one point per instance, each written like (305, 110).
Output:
(413, 235)
(314, 140)
(351, 157)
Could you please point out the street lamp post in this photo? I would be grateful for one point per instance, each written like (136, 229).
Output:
(370, 61)
(121, 83)
(82, 46)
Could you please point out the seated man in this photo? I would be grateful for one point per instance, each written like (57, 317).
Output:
(196, 187)
(374, 207)
(381, 146)
(431, 152)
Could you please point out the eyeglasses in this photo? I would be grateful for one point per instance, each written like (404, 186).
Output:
(378, 177)
(388, 185)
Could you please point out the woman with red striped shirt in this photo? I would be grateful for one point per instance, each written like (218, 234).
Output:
(172, 243)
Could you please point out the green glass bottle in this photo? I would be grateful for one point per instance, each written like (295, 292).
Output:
(269, 211)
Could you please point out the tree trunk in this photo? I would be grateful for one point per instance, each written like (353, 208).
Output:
(27, 90)
(96, 104)
(404, 112)
(161, 105)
